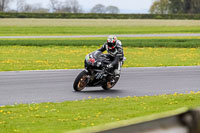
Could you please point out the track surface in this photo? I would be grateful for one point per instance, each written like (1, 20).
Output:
(129, 35)
(56, 86)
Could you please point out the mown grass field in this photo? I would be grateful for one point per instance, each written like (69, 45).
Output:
(72, 115)
(169, 42)
(11, 27)
(96, 22)
(14, 58)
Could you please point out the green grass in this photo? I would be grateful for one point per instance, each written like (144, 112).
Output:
(186, 42)
(72, 115)
(12, 27)
(59, 30)
(14, 58)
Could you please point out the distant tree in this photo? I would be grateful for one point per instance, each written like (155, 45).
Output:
(75, 7)
(196, 6)
(99, 8)
(27, 8)
(187, 6)
(64, 7)
(20, 5)
(176, 6)
(37, 8)
(53, 4)
(4, 5)
(112, 10)
(160, 7)
(57, 6)
(71, 6)
(192, 6)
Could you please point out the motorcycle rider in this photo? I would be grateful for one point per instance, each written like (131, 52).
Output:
(115, 53)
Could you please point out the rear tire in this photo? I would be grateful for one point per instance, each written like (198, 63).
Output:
(110, 85)
(80, 81)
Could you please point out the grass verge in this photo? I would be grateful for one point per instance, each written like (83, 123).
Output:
(184, 42)
(72, 115)
(14, 58)
(28, 27)
(59, 30)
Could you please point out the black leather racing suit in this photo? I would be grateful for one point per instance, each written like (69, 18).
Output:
(116, 54)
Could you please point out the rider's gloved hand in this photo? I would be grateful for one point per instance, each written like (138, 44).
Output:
(109, 66)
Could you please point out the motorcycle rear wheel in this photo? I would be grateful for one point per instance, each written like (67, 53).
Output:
(110, 85)
(81, 81)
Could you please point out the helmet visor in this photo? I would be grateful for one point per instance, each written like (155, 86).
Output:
(111, 44)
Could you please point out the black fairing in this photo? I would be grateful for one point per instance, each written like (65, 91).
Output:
(96, 70)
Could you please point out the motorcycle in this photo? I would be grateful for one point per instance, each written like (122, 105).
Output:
(96, 74)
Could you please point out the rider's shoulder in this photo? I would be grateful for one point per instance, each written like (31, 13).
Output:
(105, 44)
(119, 43)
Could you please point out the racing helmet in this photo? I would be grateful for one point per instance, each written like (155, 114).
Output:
(111, 41)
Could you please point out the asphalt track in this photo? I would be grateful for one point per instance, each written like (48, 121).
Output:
(56, 85)
(129, 35)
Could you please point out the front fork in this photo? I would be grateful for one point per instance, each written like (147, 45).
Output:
(88, 77)
(118, 70)
(120, 63)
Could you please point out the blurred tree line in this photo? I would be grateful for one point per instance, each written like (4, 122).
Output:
(175, 7)
(4, 4)
(99, 8)
(58, 6)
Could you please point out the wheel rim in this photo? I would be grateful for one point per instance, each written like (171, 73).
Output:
(110, 84)
(82, 84)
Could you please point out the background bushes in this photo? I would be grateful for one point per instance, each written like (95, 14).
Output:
(99, 16)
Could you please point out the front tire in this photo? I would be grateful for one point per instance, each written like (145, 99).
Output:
(81, 81)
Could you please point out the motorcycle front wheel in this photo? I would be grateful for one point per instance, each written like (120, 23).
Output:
(81, 81)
